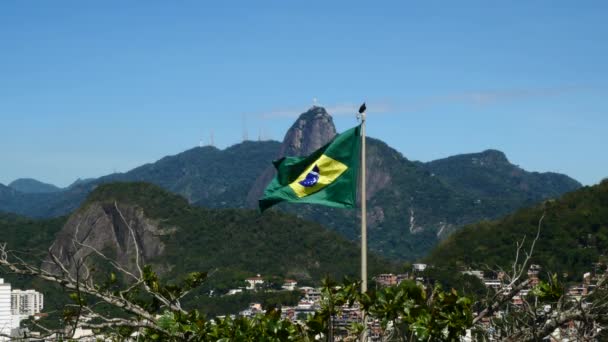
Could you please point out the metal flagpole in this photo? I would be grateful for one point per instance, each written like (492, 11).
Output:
(363, 207)
(363, 220)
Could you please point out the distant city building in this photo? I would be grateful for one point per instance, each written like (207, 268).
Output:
(252, 310)
(289, 285)
(5, 310)
(15, 306)
(475, 273)
(493, 283)
(389, 279)
(533, 272)
(419, 267)
(386, 279)
(253, 281)
(311, 293)
(26, 302)
(306, 289)
(234, 291)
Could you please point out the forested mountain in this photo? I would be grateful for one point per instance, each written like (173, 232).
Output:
(29, 235)
(574, 234)
(177, 238)
(29, 185)
(207, 176)
(204, 175)
(6, 195)
(411, 204)
(489, 176)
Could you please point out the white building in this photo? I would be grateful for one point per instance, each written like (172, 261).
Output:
(26, 302)
(15, 306)
(289, 285)
(253, 281)
(5, 310)
(419, 267)
(475, 273)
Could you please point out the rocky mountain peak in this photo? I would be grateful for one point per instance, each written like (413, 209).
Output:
(313, 129)
(486, 159)
(108, 227)
(29, 185)
(493, 157)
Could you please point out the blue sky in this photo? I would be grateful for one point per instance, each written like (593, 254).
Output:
(92, 87)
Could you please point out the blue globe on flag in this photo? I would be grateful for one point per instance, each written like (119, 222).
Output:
(311, 178)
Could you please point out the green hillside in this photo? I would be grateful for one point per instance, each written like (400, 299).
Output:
(493, 182)
(237, 241)
(27, 234)
(412, 207)
(31, 239)
(574, 235)
(231, 244)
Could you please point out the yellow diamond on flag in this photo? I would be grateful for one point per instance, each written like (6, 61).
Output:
(318, 175)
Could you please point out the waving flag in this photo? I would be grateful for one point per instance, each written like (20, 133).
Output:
(327, 177)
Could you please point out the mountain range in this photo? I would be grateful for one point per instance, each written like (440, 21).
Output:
(411, 205)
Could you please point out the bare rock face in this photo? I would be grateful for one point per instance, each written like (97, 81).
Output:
(111, 229)
(311, 131)
(378, 177)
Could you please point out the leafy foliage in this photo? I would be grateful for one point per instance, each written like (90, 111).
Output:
(213, 306)
(548, 291)
(406, 312)
(444, 316)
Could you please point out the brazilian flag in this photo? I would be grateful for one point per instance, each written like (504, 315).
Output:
(327, 177)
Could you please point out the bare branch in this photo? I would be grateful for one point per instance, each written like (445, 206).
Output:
(135, 244)
(69, 283)
(501, 297)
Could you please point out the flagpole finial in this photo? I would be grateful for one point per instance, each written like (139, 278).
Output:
(362, 109)
(361, 114)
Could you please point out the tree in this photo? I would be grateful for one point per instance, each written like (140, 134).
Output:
(546, 308)
(142, 304)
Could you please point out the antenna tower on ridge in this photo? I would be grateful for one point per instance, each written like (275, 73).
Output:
(245, 135)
